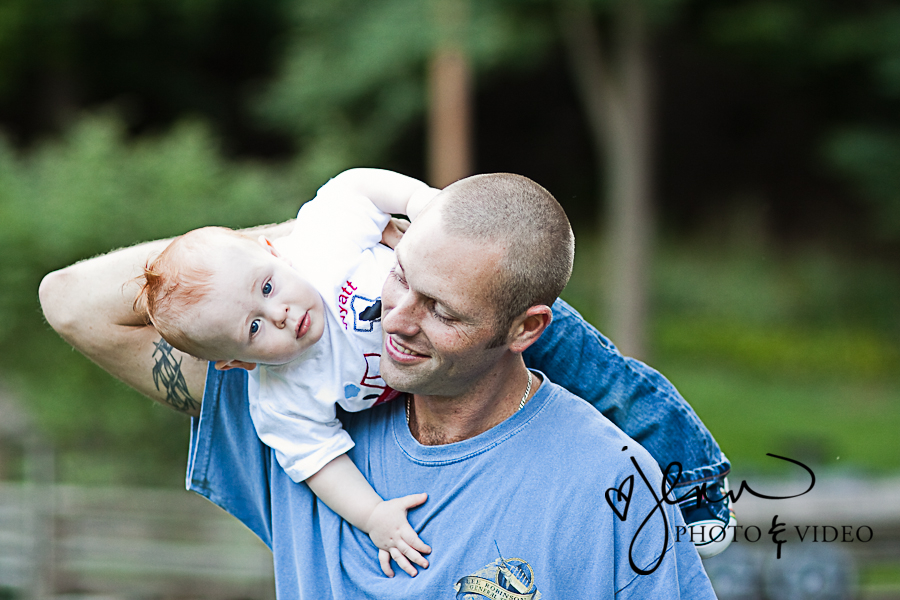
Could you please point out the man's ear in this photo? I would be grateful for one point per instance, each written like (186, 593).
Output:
(224, 365)
(529, 326)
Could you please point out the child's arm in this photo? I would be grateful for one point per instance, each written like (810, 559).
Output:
(341, 486)
(391, 192)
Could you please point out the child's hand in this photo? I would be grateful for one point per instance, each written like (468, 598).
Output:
(396, 540)
(393, 233)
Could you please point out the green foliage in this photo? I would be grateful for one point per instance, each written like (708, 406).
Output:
(787, 351)
(856, 48)
(804, 316)
(792, 354)
(829, 423)
(796, 354)
(160, 60)
(771, 26)
(90, 192)
(353, 78)
(884, 574)
(871, 39)
(12, 19)
(871, 159)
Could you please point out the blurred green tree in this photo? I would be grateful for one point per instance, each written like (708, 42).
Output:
(807, 40)
(350, 80)
(158, 60)
(86, 193)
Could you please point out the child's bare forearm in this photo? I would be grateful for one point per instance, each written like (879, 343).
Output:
(341, 486)
(391, 192)
(344, 489)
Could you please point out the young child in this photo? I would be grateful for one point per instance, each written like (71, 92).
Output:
(301, 316)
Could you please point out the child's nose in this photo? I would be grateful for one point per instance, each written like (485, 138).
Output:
(280, 316)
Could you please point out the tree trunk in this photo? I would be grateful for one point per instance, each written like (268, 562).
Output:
(616, 94)
(450, 98)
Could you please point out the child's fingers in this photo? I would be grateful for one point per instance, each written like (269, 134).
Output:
(393, 233)
(412, 554)
(385, 559)
(410, 537)
(402, 562)
(401, 224)
(413, 500)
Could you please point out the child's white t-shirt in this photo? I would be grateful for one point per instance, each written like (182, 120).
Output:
(335, 246)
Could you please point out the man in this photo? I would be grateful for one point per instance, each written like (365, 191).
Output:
(531, 492)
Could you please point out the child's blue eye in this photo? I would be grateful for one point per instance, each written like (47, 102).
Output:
(267, 288)
(254, 327)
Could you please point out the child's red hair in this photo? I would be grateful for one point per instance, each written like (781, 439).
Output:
(178, 278)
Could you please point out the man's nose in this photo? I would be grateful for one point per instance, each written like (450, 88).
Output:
(401, 318)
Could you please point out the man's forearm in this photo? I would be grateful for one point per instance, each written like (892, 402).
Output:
(96, 292)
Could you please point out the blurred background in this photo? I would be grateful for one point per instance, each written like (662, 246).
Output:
(732, 172)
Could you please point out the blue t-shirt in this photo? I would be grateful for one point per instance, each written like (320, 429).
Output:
(519, 511)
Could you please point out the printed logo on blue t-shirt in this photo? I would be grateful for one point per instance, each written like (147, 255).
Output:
(503, 579)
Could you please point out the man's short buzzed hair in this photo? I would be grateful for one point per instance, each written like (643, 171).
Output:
(526, 219)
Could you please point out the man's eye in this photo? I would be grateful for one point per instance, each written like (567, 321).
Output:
(399, 277)
(254, 327)
(439, 316)
(266, 288)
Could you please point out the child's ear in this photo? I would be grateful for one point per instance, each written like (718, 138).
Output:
(224, 365)
(268, 247)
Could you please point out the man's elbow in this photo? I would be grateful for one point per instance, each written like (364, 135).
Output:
(52, 295)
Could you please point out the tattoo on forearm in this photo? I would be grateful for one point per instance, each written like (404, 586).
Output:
(167, 376)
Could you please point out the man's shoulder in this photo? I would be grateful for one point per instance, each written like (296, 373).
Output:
(579, 415)
(581, 434)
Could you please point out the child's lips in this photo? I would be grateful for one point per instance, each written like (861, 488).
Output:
(303, 325)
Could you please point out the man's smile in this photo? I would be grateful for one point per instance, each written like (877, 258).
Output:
(399, 352)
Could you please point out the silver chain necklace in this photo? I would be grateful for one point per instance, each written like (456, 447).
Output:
(521, 403)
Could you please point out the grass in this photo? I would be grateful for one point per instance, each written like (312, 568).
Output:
(827, 422)
(881, 575)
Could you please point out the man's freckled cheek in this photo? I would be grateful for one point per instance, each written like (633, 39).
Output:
(463, 336)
